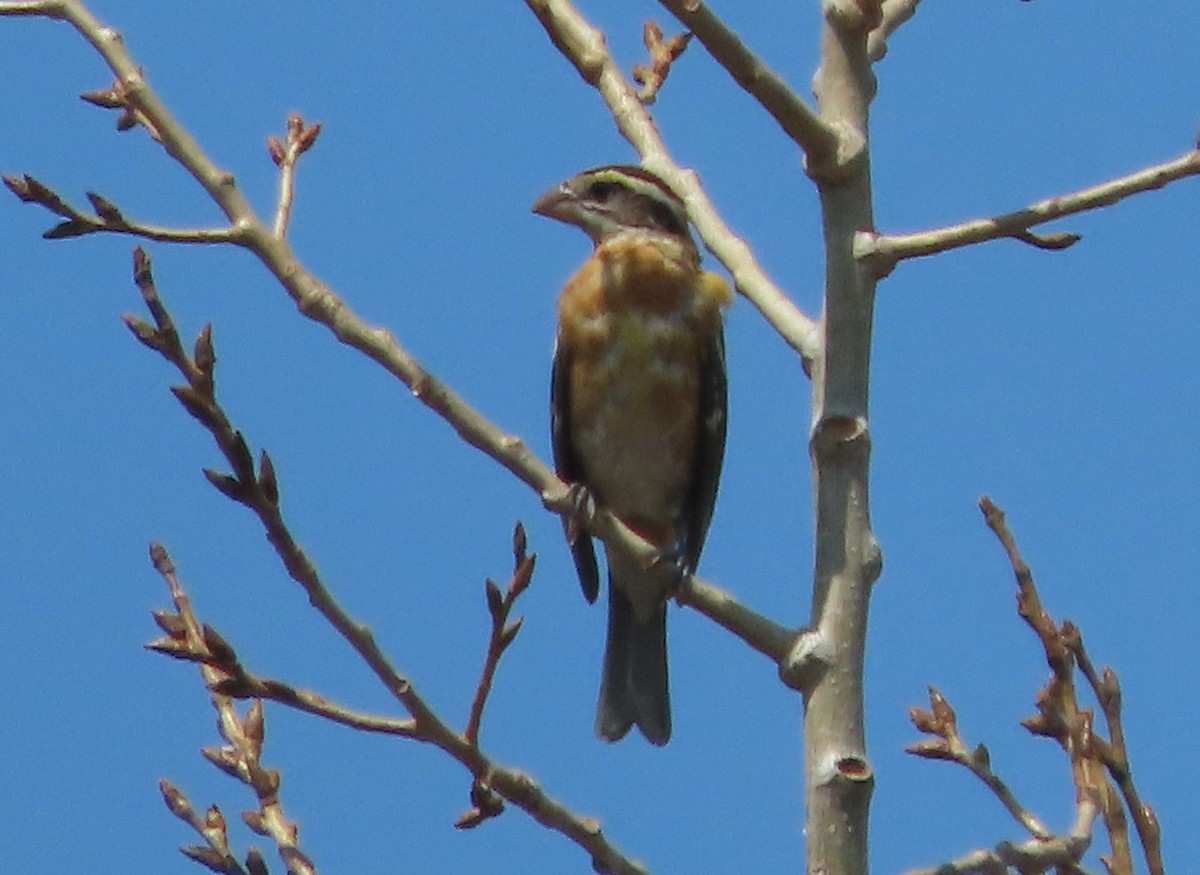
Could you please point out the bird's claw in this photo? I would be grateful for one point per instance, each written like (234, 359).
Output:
(674, 567)
(583, 509)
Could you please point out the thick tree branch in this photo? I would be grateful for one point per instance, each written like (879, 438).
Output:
(839, 778)
(45, 8)
(584, 46)
(883, 251)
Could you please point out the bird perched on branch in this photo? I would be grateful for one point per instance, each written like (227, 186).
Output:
(638, 407)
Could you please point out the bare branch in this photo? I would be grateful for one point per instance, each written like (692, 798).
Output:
(44, 8)
(135, 96)
(259, 492)
(242, 758)
(663, 53)
(942, 723)
(500, 606)
(248, 685)
(895, 13)
(1061, 718)
(884, 250)
(320, 303)
(798, 120)
(107, 217)
(761, 633)
(1032, 856)
(1115, 754)
(584, 46)
(300, 138)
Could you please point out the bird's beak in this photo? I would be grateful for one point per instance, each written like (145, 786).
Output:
(558, 203)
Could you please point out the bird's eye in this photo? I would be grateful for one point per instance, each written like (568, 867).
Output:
(603, 191)
(666, 218)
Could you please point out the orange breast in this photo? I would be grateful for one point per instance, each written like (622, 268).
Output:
(635, 319)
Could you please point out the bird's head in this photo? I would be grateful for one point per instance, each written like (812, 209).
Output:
(607, 201)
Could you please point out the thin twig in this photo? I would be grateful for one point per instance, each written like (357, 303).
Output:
(107, 217)
(885, 250)
(663, 54)
(485, 803)
(500, 606)
(300, 138)
(247, 685)
(942, 723)
(1115, 755)
(242, 759)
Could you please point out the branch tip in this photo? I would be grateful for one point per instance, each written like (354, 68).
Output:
(663, 54)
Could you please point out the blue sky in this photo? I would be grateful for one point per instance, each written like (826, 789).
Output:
(1061, 384)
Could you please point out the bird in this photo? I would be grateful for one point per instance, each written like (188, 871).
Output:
(638, 416)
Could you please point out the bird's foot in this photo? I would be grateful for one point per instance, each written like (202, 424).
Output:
(583, 509)
(672, 565)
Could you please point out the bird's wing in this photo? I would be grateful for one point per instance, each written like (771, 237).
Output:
(710, 448)
(566, 463)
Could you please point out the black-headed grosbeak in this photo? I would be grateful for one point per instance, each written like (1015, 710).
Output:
(638, 409)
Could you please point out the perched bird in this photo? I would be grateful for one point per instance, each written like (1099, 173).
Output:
(638, 406)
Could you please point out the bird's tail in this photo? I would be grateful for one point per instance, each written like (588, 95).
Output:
(633, 686)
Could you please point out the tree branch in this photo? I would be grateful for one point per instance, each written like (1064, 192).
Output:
(941, 722)
(584, 46)
(107, 217)
(1115, 754)
(320, 303)
(839, 777)
(798, 120)
(885, 250)
(300, 138)
(500, 605)
(760, 632)
(1061, 717)
(242, 758)
(257, 488)
(1029, 857)
(895, 13)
